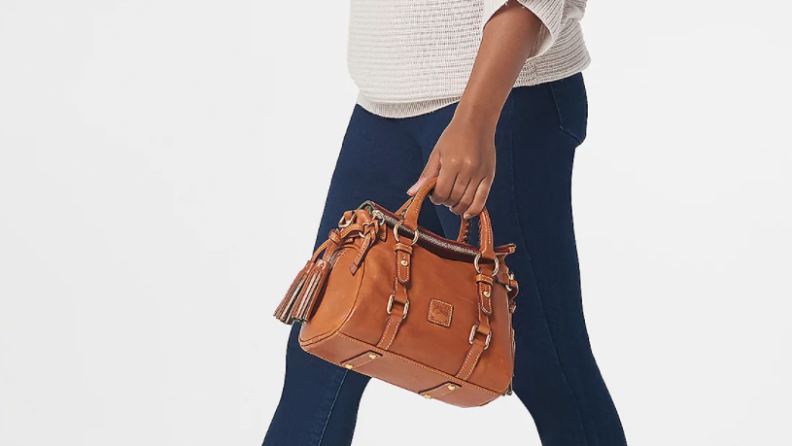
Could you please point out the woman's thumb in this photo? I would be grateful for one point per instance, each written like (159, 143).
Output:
(430, 171)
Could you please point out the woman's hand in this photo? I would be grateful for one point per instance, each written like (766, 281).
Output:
(466, 153)
(463, 158)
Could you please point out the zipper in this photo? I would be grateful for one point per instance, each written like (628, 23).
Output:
(391, 221)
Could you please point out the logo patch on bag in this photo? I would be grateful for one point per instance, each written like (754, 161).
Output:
(440, 312)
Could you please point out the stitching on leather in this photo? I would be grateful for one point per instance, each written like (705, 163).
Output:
(441, 390)
(433, 370)
(445, 306)
(351, 312)
(361, 359)
(393, 336)
(385, 333)
(464, 363)
(470, 372)
(488, 233)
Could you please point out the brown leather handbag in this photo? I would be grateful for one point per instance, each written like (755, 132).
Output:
(391, 300)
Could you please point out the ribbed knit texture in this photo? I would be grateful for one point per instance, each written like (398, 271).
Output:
(410, 57)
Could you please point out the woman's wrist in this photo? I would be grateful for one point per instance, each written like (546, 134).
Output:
(480, 117)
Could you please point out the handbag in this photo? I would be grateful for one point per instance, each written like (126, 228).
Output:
(394, 301)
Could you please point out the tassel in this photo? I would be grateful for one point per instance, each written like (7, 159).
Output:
(314, 283)
(285, 308)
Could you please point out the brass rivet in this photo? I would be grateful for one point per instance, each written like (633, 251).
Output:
(486, 293)
(349, 366)
(427, 396)
(451, 387)
(404, 262)
(372, 356)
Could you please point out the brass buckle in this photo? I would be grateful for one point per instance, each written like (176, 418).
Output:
(390, 306)
(396, 233)
(478, 268)
(474, 330)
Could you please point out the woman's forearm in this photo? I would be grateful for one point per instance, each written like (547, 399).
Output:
(508, 39)
(464, 157)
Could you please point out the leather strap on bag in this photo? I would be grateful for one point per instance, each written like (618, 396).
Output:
(478, 344)
(399, 302)
(412, 208)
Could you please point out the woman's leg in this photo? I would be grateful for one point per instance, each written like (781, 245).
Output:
(556, 376)
(319, 403)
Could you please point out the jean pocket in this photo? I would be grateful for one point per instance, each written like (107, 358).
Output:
(571, 104)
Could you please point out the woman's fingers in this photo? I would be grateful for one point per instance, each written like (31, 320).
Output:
(444, 186)
(467, 199)
(430, 171)
(458, 190)
(480, 199)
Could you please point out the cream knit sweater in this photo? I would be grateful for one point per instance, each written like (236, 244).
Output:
(410, 57)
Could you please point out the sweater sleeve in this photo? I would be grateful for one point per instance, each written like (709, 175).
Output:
(549, 12)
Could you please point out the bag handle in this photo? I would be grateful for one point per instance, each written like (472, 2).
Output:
(412, 208)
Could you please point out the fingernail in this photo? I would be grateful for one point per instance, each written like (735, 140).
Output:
(466, 216)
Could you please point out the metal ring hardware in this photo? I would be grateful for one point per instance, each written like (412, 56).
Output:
(378, 215)
(473, 331)
(478, 269)
(396, 232)
(390, 306)
(343, 223)
(511, 277)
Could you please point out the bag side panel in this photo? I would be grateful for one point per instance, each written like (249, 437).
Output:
(337, 301)
(399, 371)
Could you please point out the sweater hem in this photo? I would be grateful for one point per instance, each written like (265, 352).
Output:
(527, 77)
(566, 57)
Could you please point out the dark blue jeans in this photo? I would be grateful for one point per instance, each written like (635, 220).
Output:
(556, 376)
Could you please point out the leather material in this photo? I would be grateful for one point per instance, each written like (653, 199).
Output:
(411, 310)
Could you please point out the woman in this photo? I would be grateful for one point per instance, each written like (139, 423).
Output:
(487, 95)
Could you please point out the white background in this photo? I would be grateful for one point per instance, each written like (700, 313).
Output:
(149, 150)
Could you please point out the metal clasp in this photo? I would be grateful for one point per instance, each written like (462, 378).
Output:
(511, 277)
(390, 306)
(478, 268)
(378, 215)
(396, 233)
(473, 331)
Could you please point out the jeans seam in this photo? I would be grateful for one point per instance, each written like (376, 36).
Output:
(332, 406)
(561, 116)
(533, 273)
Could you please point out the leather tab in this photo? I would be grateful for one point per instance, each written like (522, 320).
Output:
(334, 236)
(403, 260)
(383, 232)
(440, 391)
(485, 293)
(360, 360)
(484, 278)
(485, 297)
(368, 241)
